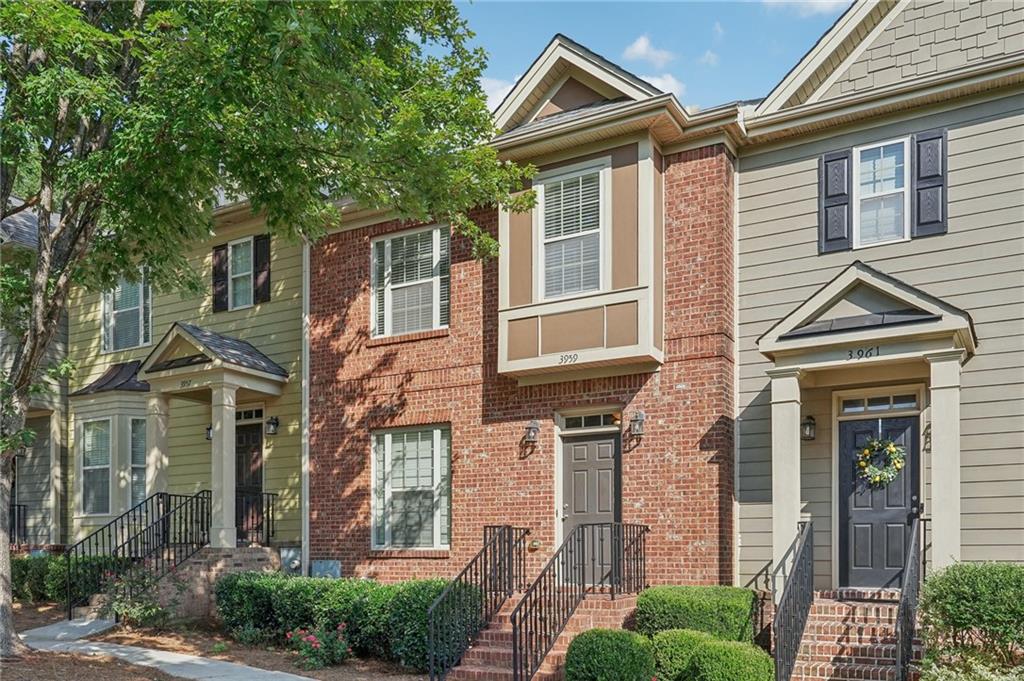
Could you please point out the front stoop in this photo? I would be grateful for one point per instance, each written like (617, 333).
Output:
(490, 658)
(850, 636)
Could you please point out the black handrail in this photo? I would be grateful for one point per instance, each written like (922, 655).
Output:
(17, 524)
(593, 556)
(793, 608)
(256, 517)
(471, 599)
(906, 614)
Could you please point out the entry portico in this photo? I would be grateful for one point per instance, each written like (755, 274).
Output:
(867, 354)
(196, 364)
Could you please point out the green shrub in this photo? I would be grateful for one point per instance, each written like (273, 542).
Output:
(731, 661)
(365, 606)
(245, 603)
(974, 611)
(723, 611)
(28, 577)
(89, 576)
(295, 601)
(673, 650)
(408, 621)
(609, 655)
(970, 670)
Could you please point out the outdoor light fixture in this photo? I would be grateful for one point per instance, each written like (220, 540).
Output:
(532, 431)
(636, 424)
(807, 428)
(209, 432)
(272, 424)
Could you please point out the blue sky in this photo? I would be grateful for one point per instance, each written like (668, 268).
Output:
(706, 52)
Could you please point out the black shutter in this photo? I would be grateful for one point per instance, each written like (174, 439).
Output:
(835, 205)
(261, 268)
(928, 183)
(220, 278)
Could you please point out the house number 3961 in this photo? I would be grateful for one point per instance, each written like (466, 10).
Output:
(863, 353)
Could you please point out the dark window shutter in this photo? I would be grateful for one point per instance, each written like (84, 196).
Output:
(835, 204)
(928, 184)
(220, 278)
(377, 276)
(261, 268)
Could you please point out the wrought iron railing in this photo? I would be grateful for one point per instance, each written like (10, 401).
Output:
(906, 615)
(155, 535)
(255, 517)
(17, 524)
(592, 557)
(794, 606)
(471, 599)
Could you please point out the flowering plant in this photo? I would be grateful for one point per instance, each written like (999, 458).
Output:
(320, 647)
(879, 462)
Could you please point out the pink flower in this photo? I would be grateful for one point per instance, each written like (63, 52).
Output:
(310, 639)
(288, 636)
(316, 645)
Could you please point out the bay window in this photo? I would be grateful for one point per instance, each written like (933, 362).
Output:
(96, 443)
(137, 456)
(571, 219)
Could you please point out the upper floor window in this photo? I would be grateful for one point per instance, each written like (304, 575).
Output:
(881, 201)
(411, 282)
(240, 273)
(96, 443)
(571, 219)
(126, 315)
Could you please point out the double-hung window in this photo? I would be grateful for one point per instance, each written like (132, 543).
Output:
(137, 440)
(126, 315)
(571, 234)
(881, 197)
(411, 282)
(96, 442)
(240, 273)
(412, 488)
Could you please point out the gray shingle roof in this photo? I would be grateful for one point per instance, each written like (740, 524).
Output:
(121, 376)
(23, 228)
(232, 350)
(554, 119)
(861, 321)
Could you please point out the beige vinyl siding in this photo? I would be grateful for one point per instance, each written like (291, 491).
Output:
(274, 327)
(977, 266)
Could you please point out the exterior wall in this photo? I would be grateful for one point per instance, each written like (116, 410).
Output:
(34, 482)
(572, 95)
(678, 480)
(975, 266)
(189, 590)
(274, 327)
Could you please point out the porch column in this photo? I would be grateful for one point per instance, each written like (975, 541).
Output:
(158, 414)
(222, 524)
(785, 460)
(945, 450)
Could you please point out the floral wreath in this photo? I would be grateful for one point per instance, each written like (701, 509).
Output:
(879, 462)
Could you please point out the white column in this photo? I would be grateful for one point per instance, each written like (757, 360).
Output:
(158, 415)
(785, 460)
(945, 456)
(222, 530)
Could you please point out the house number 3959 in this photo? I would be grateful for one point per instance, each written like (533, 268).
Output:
(863, 353)
(570, 358)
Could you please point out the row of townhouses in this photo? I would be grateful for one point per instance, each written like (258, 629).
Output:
(703, 320)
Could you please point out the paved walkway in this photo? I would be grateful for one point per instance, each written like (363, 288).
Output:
(65, 637)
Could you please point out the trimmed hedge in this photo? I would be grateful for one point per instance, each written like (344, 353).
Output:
(725, 612)
(28, 578)
(673, 652)
(609, 655)
(409, 624)
(45, 578)
(730, 661)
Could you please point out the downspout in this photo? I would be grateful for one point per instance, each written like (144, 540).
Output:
(305, 406)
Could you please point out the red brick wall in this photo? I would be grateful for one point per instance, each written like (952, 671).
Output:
(679, 480)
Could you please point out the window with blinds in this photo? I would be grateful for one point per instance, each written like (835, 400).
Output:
(126, 315)
(411, 282)
(572, 235)
(96, 466)
(412, 488)
(137, 442)
(240, 272)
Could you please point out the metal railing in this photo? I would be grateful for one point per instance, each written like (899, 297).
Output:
(471, 599)
(17, 524)
(793, 608)
(255, 517)
(906, 615)
(153, 536)
(592, 557)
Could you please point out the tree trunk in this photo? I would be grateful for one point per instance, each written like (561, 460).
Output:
(10, 644)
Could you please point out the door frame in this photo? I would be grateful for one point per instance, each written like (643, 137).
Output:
(838, 396)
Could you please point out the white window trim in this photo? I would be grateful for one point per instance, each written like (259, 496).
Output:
(107, 323)
(604, 168)
(435, 268)
(856, 196)
(82, 468)
(437, 482)
(251, 273)
(132, 466)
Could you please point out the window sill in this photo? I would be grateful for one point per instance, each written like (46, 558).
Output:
(435, 554)
(406, 337)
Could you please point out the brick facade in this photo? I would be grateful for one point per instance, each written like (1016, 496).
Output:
(678, 480)
(189, 591)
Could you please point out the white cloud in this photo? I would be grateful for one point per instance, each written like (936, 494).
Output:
(496, 89)
(666, 82)
(709, 58)
(641, 49)
(717, 31)
(806, 8)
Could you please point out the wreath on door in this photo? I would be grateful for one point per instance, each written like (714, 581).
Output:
(879, 462)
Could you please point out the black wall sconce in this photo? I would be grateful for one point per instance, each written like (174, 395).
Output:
(272, 425)
(532, 431)
(636, 425)
(807, 428)
(209, 432)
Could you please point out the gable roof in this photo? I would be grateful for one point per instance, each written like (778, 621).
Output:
(212, 347)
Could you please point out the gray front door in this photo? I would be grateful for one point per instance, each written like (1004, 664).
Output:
(592, 491)
(248, 481)
(874, 523)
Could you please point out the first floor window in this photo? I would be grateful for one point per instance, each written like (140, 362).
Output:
(880, 185)
(96, 466)
(412, 488)
(411, 282)
(126, 313)
(137, 441)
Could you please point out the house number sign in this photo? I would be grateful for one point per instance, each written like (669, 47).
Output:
(864, 352)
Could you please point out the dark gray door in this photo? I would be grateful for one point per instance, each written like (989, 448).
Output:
(874, 524)
(248, 481)
(592, 491)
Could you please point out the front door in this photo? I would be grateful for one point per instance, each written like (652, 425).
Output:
(591, 494)
(248, 481)
(874, 523)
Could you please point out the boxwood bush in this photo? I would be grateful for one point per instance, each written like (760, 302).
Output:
(28, 577)
(609, 655)
(723, 611)
(730, 661)
(408, 621)
(673, 651)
